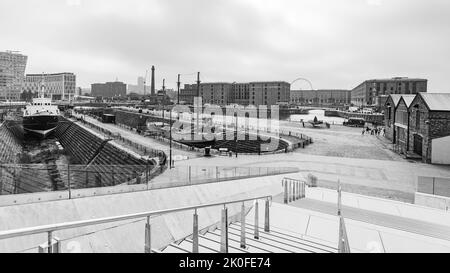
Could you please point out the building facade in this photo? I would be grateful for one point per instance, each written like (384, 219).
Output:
(389, 116)
(217, 93)
(421, 126)
(323, 97)
(253, 93)
(402, 125)
(109, 90)
(12, 75)
(188, 93)
(59, 86)
(430, 127)
(241, 92)
(269, 93)
(370, 92)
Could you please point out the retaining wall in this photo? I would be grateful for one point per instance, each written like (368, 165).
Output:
(128, 236)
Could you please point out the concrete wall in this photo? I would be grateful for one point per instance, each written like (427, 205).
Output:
(440, 150)
(128, 236)
(432, 201)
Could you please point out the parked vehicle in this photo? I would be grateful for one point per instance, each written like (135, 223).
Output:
(355, 122)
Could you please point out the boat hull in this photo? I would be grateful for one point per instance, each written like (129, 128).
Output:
(41, 125)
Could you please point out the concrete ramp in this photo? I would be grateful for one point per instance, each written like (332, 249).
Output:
(128, 236)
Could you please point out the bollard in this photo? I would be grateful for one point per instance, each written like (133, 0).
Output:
(266, 218)
(224, 231)
(195, 234)
(256, 236)
(243, 243)
(148, 236)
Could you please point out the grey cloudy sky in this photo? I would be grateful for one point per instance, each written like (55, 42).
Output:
(333, 43)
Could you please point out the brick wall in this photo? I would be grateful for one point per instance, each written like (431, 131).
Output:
(438, 126)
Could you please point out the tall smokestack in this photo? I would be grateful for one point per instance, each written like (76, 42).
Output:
(153, 81)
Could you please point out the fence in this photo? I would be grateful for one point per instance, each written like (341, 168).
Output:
(53, 244)
(434, 185)
(31, 178)
(115, 136)
(194, 175)
(293, 190)
(22, 179)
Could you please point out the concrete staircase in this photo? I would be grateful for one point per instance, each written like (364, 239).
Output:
(278, 240)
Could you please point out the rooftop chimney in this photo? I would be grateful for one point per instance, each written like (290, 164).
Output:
(153, 81)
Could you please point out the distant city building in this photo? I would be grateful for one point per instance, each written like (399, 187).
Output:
(253, 93)
(323, 97)
(241, 92)
(269, 93)
(139, 88)
(109, 89)
(188, 93)
(217, 93)
(59, 86)
(12, 75)
(369, 92)
(420, 127)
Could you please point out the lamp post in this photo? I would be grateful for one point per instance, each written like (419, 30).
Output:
(170, 139)
(178, 89)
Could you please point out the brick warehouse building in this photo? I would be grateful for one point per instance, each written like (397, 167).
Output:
(430, 127)
(423, 128)
(371, 92)
(389, 115)
(402, 124)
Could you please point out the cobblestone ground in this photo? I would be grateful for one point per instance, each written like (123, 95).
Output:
(340, 141)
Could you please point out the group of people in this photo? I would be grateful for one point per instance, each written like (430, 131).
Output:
(374, 131)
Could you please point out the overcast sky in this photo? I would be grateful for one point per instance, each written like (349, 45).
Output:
(333, 43)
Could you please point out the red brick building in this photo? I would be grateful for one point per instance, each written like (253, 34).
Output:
(389, 115)
(430, 127)
(419, 126)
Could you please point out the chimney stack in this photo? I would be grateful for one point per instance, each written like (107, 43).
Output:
(153, 81)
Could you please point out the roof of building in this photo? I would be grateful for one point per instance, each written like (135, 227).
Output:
(395, 98)
(51, 74)
(437, 101)
(396, 79)
(408, 99)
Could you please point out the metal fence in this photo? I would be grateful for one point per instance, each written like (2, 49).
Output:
(34, 178)
(193, 175)
(31, 178)
(434, 185)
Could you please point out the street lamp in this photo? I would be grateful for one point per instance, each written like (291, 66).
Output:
(170, 137)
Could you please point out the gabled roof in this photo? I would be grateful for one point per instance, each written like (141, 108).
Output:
(395, 98)
(408, 99)
(437, 101)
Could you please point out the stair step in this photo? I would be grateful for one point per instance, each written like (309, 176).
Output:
(187, 244)
(174, 249)
(256, 243)
(298, 236)
(215, 244)
(235, 244)
(295, 243)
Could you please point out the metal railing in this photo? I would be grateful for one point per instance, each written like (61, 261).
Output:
(38, 178)
(293, 190)
(343, 245)
(434, 185)
(53, 244)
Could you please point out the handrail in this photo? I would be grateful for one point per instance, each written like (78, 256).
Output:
(77, 224)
